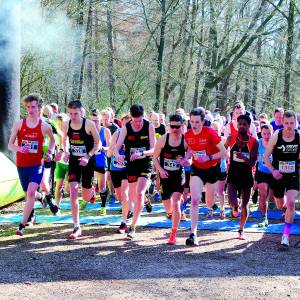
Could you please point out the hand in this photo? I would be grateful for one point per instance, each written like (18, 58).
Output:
(58, 156)
(84, 161)
(203, 158)
(276, 174)
(163, 174)
(241, 156)
(24, 149)
(182, 161)
(135, 155)
(120, 158)
(48, 157)
(66, 157)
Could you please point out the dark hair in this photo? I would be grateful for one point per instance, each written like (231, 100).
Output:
(278, 109)
(289, 114)
(137, 110)
(266, 126)
(33, 97)
(198, 111)
(175, 118)
(244, 117)
(75, 104)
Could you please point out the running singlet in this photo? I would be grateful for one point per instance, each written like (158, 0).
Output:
(168, 156)
(34, 139)
(286, 155)
(101, 155)
(203, 144)
(137, 142)
(81, 143)
(240, 173)
(261, 151)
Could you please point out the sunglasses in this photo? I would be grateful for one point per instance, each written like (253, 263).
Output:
(175, 126)
(238, 106)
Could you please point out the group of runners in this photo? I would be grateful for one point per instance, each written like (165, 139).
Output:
(193, 157)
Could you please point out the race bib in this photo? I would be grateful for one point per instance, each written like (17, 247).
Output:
(78, 150)
(171, 164)
(287, 166)
(245, 154)
(32, 146)
(197, 154)
(132, 150)
(119, 165)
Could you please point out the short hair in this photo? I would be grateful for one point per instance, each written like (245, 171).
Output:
(266, 126)
(33, 97)
(244, 117)
(176, 118)
(289, 114)
(136, 110)
(54, 106)
(198, 111)
(278, 109)
(238, 104)
(105, 112)
(75, 104)
(47, 110)
(263, 115)
(95, 112)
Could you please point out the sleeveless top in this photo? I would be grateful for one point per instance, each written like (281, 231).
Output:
(169, 154)
(286, 155)
(137, 142)
(80, 142)
(261, 151)
(101, 159)
(32, 137)
(240, 173)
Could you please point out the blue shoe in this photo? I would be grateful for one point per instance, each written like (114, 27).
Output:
(156, 197)
(112, 199)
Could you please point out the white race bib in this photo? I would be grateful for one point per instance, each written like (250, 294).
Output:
(78, 150)
(197, 154)
(287, 166)
(132, 150)
(32, 145)
(171, 164)
(244, 154)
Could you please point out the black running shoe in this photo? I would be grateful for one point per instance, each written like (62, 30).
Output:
(52, 206)
(192, 240)
(215, 207)
(20, 230)
(148, 206)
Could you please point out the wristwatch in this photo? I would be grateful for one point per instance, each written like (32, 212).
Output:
(210, 157)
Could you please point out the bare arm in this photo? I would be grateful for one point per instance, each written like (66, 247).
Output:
(12, 146)
(222, 151)
(91, 128)
(152, 141)
(157, 150)
(269, 150)
(113, 140)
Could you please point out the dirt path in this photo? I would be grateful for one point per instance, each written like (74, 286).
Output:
(104, 265)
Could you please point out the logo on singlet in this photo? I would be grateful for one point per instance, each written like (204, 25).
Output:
(288, 148)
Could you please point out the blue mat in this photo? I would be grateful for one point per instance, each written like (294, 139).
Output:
(255, 214)
(158, 222)
(110, 207)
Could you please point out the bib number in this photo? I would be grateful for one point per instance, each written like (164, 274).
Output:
(142, 149)
(78, 150)
(287, 166)
(32, 146)
(171, 164)
(197, 154)
(244, 154)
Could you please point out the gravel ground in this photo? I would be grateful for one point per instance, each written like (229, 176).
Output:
(104, 265)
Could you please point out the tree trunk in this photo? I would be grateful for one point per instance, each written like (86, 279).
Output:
(288, 55)
(255, 74)
(111, 69)
(160, 54)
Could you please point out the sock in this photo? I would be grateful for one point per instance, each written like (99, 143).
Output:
(203, 197)
(76, 225)
(287, 229)
(103, 196)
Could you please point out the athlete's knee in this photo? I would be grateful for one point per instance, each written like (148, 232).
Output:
(31, 193)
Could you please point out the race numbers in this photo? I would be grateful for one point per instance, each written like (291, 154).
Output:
(244, 154)
(171, 164)
(78, 150)
(287, 166)
(31, 145)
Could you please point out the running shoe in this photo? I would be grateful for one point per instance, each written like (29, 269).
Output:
(76, 233)
(148, 206)
(156, 197)
(192, 240)
(241, 235)
(83, 204)
(93, 199)
(43, 200)
(130, 215)
(58, 214)
(31, 220)
(169, 216)
(210, 214)
(263, 223)
(215, 207)
(112, 199)
(183, 216)
(131, 232)
(285, 240)
(235, 212)
(172, 239)
(222, 214)
(122, 228)
(52, 206)
(102, 211)
(20, 230)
